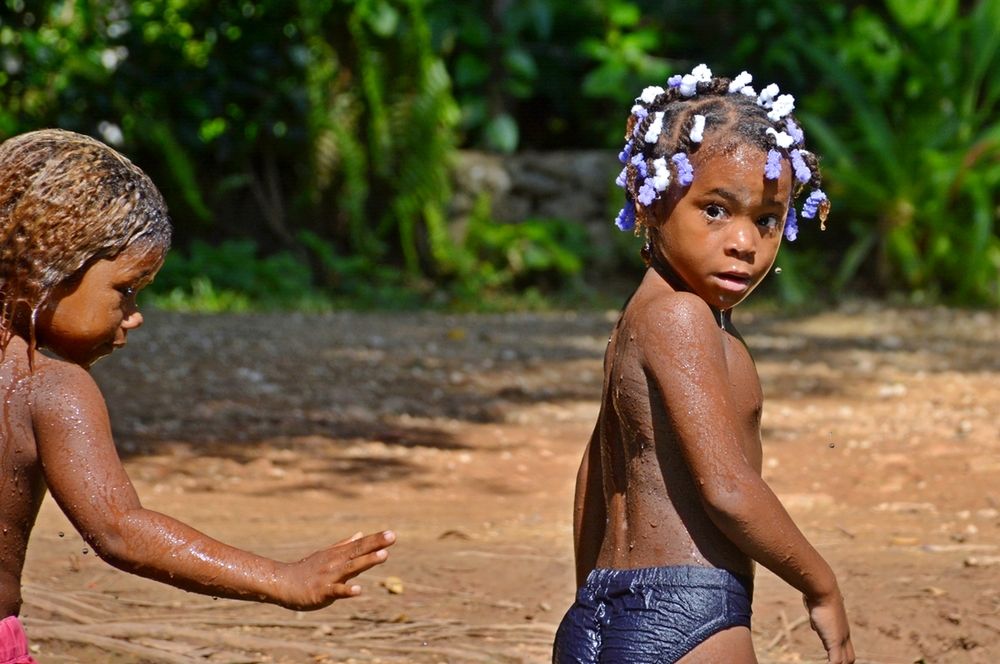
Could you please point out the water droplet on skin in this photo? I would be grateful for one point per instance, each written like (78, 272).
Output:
(85, 551)
(832, 445)
(777, 270)
(62, 534)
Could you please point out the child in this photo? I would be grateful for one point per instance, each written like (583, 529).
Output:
(82, 231)
(670, 510)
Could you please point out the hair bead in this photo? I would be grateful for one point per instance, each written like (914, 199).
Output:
(672, 121)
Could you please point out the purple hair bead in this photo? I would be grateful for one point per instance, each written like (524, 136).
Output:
(626, 217)
(791, 224)
(811, 206)
(639, 161)
(794, 131)
(625, 153)
(802, 173)
(647, 193)
(622, 178)
(674, 81)
(685, 174)
(772, 169)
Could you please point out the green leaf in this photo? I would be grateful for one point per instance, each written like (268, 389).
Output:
(520, 63)
(623, 14)
(502, 133)
(918, 13)
(383, 19)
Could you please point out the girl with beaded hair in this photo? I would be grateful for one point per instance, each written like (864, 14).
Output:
(82, 231)
(671, 512)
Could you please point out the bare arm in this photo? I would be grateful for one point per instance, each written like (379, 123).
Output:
(691, 373)
(87, 480)
(589, 509)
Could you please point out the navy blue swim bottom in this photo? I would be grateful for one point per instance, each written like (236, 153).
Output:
(653, 614)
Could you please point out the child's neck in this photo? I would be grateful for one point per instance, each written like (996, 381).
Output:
(723, 317)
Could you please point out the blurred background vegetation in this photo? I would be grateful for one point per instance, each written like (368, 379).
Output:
(305, 147)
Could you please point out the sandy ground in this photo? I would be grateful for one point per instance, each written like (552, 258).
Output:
(463, 433)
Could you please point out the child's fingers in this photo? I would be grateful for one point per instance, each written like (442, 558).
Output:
(356, 566)
(371, 543)
(356, 536)
(344, 590)
(842, 654)
(839, 656)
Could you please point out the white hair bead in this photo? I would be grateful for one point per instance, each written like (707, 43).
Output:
(697, 129)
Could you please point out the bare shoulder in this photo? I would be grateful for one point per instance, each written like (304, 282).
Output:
(58, 386)
(26, 375)
(671, 321)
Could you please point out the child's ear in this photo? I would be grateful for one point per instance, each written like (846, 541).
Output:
(653, 215)
(645, 215)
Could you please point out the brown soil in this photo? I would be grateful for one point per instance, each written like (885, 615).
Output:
(463, 433)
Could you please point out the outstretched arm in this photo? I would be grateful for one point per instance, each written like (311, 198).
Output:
(87, 480)
(694, 382)
(589, 509)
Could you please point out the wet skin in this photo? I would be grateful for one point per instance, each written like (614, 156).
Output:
(672, 473)
(56, 435)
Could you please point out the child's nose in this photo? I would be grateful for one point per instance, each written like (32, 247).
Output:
(132, 321)
(742, 241)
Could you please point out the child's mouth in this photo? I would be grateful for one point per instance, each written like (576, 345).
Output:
(734, 281)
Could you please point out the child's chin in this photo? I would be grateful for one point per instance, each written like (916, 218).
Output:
(90, 359)
(728, 300)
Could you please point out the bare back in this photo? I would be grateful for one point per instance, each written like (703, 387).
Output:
(21, 483)
(654, 512)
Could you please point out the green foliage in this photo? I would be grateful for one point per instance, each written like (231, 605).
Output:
(623, 54)
(907, 116)
(382, 143)
(323, 130)
(233, 277)
(516, 69)
(256, 119)
(490, 50)
(546, 253)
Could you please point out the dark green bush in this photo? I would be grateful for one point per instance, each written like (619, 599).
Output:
(324, 129)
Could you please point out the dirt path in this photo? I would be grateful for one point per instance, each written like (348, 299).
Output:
(284, 433)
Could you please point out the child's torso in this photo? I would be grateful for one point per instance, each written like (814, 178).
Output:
(21, 485)
(655, 514)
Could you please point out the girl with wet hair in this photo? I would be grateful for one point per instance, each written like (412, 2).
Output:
(82, 231)
(67, 200)
(671, 512)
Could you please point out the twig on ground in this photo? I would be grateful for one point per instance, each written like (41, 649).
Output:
(785, 632)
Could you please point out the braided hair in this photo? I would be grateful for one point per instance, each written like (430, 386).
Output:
(65, 201)
(665, 126)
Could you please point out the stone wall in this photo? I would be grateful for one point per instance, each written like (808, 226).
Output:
(573, 185)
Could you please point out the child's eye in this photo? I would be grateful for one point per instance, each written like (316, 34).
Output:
(127, 291)
(713, 211)
(769, 222)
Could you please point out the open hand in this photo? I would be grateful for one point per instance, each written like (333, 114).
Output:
(828, 618)
(321, 578)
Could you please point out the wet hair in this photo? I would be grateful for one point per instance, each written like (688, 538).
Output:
(66, 200)
(667, 125)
